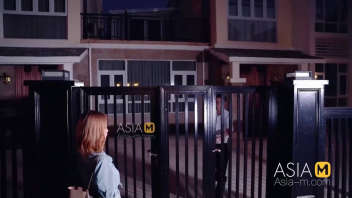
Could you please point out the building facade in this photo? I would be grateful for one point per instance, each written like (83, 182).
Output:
(198, 42)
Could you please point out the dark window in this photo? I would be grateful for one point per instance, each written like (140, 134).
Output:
(43, 5)
(35, 26)
(190, 79)
(154, 30)
(59, 6)
(343, 68)
(10, 4)
(178, 80)
(270, 8)
(331, 16)
(111, 65)
(118, 79)
(251, 30)
(343, 85)
(137, 29)
(27, 5)
(319, 68)
(258, 8)
(105, 80)
(331, 75)
(342, 102)
(233, 7)
(330, 102)
(331, 10)
(319, 10)
(183, 66)
(337, 90)
(246, 8)
(149, 73)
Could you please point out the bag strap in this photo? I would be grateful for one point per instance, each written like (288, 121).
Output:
(91, 177)
(90, 181)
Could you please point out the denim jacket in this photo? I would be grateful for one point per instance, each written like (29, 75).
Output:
(105, 179)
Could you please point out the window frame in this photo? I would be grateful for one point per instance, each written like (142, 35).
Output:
(112, 73)
(338, 84)
(323, 21)
(35, 10)
(252, 8)
(253, 18)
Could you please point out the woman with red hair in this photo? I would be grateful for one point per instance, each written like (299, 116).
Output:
(95, 168)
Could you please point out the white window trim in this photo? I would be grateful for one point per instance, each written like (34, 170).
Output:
(252, 8)
(112, 73)
(338, 95)
(36, 11)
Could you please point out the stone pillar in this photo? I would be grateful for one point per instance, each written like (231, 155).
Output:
(49, 133)
(296, 138)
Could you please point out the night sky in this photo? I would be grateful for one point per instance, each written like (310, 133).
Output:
(133, 4)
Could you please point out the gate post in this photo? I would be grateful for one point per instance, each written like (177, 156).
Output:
(296, 138)
(49, 130)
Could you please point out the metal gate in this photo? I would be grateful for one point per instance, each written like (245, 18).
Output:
(189, 119)
(180, 158)
(128, 108)
(339, 151)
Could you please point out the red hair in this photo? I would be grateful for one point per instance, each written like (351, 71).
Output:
(90, 133)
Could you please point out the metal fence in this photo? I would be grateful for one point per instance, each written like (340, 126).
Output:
(339, 141)
(130, 149)
(184, 149)
(192, 134)
(12, 144)
(155, 27)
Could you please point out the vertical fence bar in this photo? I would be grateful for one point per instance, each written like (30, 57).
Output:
(96, 102)
(3, 162)
(196, 146)
(134, 148)
(229, 187)
(337, 160)
(177, 145)
(344, 160)
(143, 148)
(245, 135)
(253, 131)
(350, 155)
(115, 131)
(86, 102)
(107, 113)
(222, 163)
(14, 165)
(330, 130)
(125, 144)
(262, 119)
(186, 144)
(238, 145)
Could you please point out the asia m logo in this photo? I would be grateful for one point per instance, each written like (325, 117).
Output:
(322, 169)
(149, 127)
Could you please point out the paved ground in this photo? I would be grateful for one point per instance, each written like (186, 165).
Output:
(191, 160)
(172, 178)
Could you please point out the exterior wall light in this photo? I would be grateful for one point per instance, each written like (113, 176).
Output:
(136, 84)
(128, 84)
(6, 79)
(118, 84)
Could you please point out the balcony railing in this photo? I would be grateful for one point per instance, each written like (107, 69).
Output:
(156, 27)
